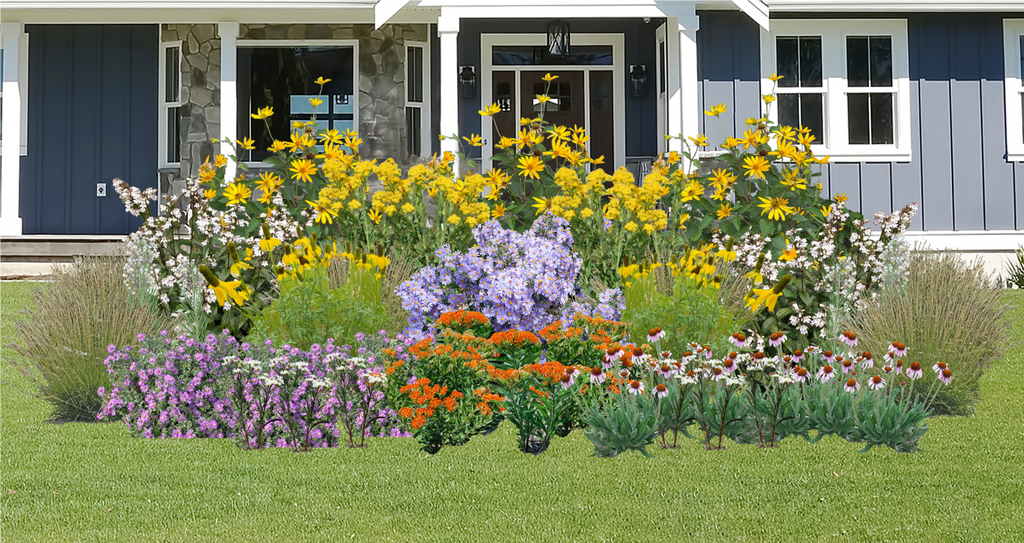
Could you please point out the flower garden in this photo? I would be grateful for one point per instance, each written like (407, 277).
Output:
(540, 350)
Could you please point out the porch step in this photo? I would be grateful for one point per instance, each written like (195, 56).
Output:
(34, 255)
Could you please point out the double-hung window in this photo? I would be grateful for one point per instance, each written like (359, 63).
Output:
(1013, 55)
(417, 96)
(170, 101)
(22, 79)
(847, 81)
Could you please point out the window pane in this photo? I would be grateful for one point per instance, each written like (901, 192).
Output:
(857, 113)
(662, 66)
(413, 116)
(172, 71)
(810, 62)
(881, 61)
(526, 55)
(414, 79)
(1022, 55)
(803, 110)
(881, 118)
(787, 61)
(812, 115)
(857, 61)
(173, 135)
(284, 78)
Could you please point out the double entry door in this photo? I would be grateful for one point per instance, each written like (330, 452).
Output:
(579, 97)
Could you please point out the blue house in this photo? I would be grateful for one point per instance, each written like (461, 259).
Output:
(914, 101)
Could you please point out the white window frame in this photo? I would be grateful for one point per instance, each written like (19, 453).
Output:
(354, 44)
(1013, 29)
(426, 141)
(165, 105)
(835, 88)
(23, 86)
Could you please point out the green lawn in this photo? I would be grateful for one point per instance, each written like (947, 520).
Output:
(91, 482)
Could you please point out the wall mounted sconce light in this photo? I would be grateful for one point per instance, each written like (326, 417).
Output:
(467, 82)
(637, 79)
(558, 39)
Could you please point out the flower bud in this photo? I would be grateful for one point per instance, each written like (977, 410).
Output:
(781, 285)
(210, 277)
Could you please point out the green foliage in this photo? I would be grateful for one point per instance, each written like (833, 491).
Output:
(622, 422)
(950, 310)
(894, 418)
(1015, 269)
(537, 416)
(308, 311)
(61, 339)
(688, 313)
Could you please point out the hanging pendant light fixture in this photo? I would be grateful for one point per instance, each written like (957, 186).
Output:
(558, 39)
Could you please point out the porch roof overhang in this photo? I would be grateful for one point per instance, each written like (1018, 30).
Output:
(385, 9)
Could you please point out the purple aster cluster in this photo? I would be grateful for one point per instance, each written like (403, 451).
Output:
(259, 394)
(520, 280)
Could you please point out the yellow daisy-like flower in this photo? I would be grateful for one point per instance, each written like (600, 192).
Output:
(315, 102)
(474, 139)
(841, 198)
(530, 166)
(490, 110)
(756, 166)
(716, 110)
(498, 211)
(374, 216)
(543, 205)
(543, 98)
(237, 193)
(776, 208)
(825, 210)
(268, 245)
(303, 170)
(278, 146)
(210, 194)
(263, 113)
(760, 297)
(225, 289)
(725, 211)
(774, 78)
(700, 141)
(549, 78)
(321, 81)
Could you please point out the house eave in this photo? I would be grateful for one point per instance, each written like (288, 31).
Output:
(884, 6)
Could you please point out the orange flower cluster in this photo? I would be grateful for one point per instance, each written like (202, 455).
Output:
(556, 332)
(393, 367)
(461, 318)
(513, 338)
(553, 370)
(431, 398)
(485, 400)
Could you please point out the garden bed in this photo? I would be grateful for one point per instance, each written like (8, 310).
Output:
(85, 482)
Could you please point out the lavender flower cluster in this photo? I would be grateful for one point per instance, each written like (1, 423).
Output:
(518, 280)
(256, 393)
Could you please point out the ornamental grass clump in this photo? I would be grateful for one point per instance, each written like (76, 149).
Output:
(949, 310)
(61, 338)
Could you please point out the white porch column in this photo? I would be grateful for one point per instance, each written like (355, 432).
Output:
(13, 36)
(681, 42)
(448, 32)
(228, 33)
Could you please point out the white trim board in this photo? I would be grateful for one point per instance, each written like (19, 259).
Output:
(1013, 32)
(616, 41)
(970, 241)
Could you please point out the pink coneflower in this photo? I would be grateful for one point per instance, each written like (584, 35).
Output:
(826, 373)
(739, 340)
(678, 365)
(828, 357)
(624, 374)
(946, 375)
(572, 371)
(666, 370)
(597, 375)
(801, 374)
(914, 372)
(847, 366)
(660, 390)
(887, 369)
(939, 367)
(851, 386)
(729, 365)
(638, 355)
(812, 349)
(848, 338)
(717, 373)
(876, 382)
(567, 380)
(666, 354)
(776, 339)
(707, 352)
(898, 349)
(613, 354)
(798, 356)
(899, 366)
(635, 387)
(655, 334)
(866, 360)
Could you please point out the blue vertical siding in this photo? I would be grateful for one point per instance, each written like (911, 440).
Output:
(92, 117)
(958, 174)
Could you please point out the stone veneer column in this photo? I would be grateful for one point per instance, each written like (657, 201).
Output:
(200, 91)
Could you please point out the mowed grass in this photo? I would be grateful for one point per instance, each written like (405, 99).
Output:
(91, 482)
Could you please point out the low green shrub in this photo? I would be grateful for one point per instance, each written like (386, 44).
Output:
(949, 310)
(61, 338)
(1015, 269)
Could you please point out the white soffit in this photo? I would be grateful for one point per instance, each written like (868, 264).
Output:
(384, 10)
(870, 6)
(755, 9)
